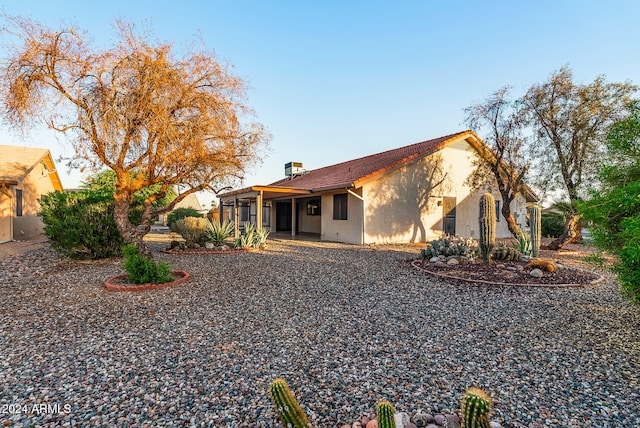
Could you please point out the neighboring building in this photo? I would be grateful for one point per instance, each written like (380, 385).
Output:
(410, 194)
(190, 201)
(26, 174)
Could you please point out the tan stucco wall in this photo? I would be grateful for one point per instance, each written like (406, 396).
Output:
(398, 210)
(34, 186)
(309, 223)
(5, 217)
(348, 231)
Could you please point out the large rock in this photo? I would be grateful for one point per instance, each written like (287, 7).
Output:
(373, 423)
(420, 419)
(434, 259)
(402, 420)
(536, 273)
(453, 262)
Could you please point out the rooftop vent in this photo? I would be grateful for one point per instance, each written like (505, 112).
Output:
(293, 169)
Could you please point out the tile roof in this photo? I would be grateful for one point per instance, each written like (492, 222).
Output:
(346, 174)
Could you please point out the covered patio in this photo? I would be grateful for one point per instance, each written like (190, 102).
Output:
(274, 208)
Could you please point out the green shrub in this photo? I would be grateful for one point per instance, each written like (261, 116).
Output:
(143, 270)
(523, 244)
(217, 232)
(80, 224)
(252, 237)
(552, 224)
(179, 214)
(451, 246)
(192, 229)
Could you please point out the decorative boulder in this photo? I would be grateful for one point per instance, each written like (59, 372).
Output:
(536, 273)
(372, 424)
(420, 419)
(209, 245)
(453, 262)
(401, 419)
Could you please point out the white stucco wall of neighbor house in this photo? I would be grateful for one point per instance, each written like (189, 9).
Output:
(407, 204)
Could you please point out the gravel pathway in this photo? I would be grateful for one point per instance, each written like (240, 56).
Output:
(346, 326)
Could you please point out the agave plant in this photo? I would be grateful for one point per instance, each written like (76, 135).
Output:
(217, 232)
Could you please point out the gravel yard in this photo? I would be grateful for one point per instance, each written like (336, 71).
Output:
(345, 325)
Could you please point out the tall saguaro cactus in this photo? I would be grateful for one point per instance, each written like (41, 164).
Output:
(288, 409)
(385, 413)
(535, 229)
(475, 409)
(487, 225)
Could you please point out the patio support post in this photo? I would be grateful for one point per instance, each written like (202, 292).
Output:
(259, 210)
(236, 218)
(294, 212)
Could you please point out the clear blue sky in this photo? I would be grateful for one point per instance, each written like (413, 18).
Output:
(335, 80)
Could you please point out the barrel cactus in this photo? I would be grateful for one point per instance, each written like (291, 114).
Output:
(487, 225)
(288, 409)
(385, 413)
(535, 227)
(476, 406)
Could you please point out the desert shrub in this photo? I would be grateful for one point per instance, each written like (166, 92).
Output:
(252, 237)
(451, 246)
(179, 214)
(217, 232)
(552, 224)
(80, 224)
(143, 270)
(523, 244)
(192, 229)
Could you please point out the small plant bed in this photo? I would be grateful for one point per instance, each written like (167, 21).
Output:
(200, 236)
(509, 273)
(122, 282)
(459, 258)
(143, 273)
(220, 249)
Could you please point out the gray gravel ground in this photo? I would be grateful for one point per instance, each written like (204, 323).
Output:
(346, 326)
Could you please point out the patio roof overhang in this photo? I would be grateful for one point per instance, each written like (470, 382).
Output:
(268, 192)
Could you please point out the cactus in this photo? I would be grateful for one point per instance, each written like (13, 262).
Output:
(535, 228)
(385, 412)
(476, 406)
(505, 253)
(288, 409)
(487, 225)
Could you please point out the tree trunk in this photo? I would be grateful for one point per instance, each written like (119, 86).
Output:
(128, 231)
(505, 210)
(572, 233)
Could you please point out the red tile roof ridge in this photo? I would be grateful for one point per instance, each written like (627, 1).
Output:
(341, 174)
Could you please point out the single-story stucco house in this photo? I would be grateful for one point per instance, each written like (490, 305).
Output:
(410, 194)
(26, 174)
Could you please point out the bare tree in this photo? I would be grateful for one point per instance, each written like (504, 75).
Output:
(570, 122)
(138, 108)
(497, 121)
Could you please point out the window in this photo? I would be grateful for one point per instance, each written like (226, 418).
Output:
(266, 215)
(18, 202)
(340, 206)
(313, 207)
(498, 211)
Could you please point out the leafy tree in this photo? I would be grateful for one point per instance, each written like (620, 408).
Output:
(570, 122)
(614, 209)
(154, 117)
(496, 119)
